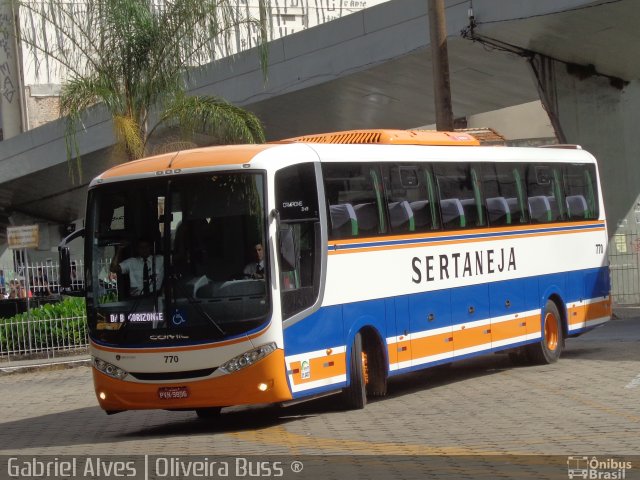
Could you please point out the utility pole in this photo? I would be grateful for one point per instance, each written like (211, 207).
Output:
(440, 62)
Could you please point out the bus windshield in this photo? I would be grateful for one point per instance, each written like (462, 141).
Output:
(177, 258)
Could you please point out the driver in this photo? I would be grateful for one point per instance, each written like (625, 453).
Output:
(140, 268)
(256, 269)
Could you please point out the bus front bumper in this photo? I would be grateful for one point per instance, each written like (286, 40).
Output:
(263, 382)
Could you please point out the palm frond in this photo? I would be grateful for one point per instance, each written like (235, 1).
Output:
(215, 117)
(77, 95)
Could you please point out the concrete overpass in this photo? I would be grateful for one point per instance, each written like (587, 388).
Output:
(373, 69)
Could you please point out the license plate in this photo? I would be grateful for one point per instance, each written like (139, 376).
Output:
(173, 393)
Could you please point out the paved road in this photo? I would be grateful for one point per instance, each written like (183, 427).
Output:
(587, 404)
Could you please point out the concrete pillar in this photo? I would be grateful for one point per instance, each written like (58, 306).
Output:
(603, 116)
(10, 108)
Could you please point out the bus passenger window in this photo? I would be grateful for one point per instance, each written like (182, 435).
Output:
(460, 197)
(504, 195)
(354, 196)
(545, 196)
(404, 188)
(580, 192)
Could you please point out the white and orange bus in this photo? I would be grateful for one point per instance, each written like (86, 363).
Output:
(385, 252)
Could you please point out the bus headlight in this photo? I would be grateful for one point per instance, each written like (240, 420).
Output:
(248, 358)
(109, 369)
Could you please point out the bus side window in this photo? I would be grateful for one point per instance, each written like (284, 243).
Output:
(410, 196)
(401, 185)
(580, 192)
(503, 194)
(460, 196)
(545, 193)
(354, 197)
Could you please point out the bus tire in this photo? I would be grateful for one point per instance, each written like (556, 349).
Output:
(209, 412)
(550, 347)
(376, 370)
(355, 395)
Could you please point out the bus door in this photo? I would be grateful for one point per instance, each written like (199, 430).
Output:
(307, 328)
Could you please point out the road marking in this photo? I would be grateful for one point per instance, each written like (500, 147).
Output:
(634, 383)
(300, 444)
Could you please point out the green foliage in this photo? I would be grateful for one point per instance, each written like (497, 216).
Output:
(61, 324)
(135, 57)
(215, 117)
(108, 298)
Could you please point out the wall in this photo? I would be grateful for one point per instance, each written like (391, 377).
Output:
(528, 120)
(604, 117)
(43, 104)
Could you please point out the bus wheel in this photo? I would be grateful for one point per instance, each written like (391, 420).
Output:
(355, 395)
(376, 371)
(550, 347)
(209, 412)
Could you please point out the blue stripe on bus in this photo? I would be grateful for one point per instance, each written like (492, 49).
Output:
(459, 236)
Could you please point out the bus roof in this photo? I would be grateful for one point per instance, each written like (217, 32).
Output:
(236, 155)
(194, 158)
(389, 137)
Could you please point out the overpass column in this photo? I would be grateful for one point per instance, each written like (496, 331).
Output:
(602, 114)
(9, 75)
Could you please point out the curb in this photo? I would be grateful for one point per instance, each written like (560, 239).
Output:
(626, 312)
(44, 365)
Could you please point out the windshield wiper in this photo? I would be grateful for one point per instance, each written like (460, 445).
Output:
(203, 313)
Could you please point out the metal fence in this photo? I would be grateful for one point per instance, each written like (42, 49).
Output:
(624, 257)
(41, 278)
(42, 338)
(30, 326)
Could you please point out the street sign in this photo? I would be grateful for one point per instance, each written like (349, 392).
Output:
(26, 236)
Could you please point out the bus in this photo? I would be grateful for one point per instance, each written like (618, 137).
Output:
(382, 252)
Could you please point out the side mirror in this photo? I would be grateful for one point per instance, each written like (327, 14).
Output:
(65, 267)
(65, 258)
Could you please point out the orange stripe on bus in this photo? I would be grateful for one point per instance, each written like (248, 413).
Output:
(320, 368)
(432, 345)
(517, 327)
(399, 351)
(471, 337)
(582, 313)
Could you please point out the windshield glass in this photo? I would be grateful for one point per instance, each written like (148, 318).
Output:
(177, 258)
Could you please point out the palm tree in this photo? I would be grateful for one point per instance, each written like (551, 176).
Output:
(134, 57)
